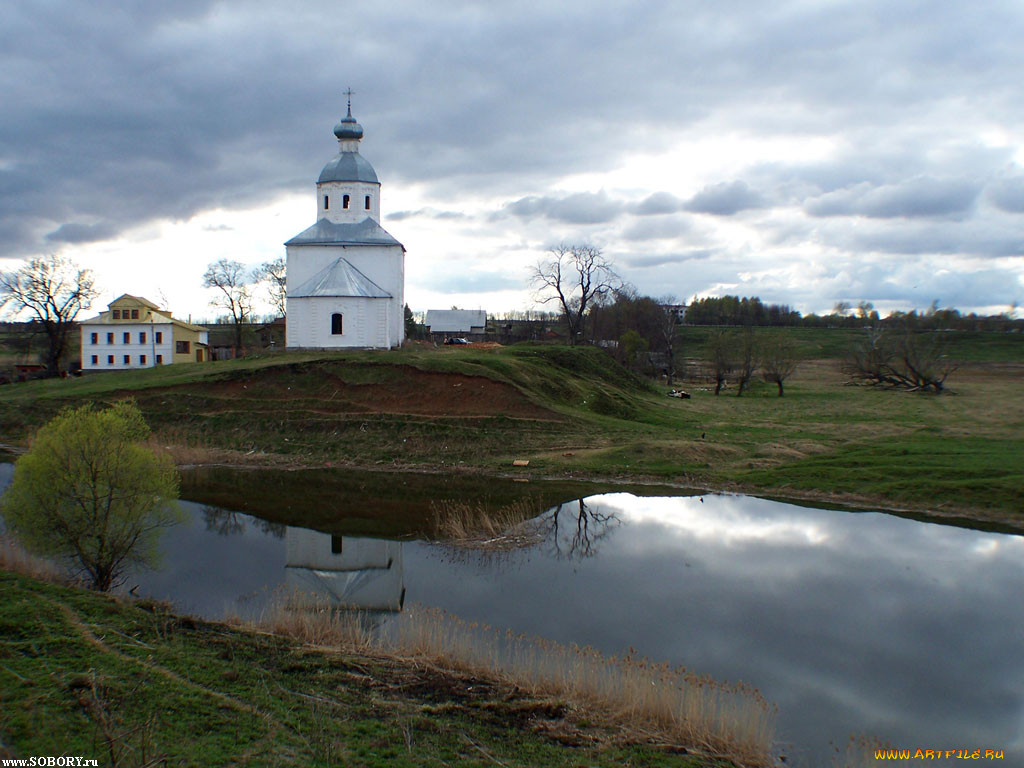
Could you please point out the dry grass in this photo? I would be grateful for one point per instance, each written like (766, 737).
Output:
(655, 699)
(315, 622)
(14, 558)
(186, 450)
(471, 525)
(651, 701)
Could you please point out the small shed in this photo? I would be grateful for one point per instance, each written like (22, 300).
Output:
(469, 324)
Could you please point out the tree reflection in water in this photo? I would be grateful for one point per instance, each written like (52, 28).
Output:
(226, 523)
(573, 531)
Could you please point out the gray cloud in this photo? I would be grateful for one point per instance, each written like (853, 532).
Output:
(646, 261)
(117, 116)
(658, 203)
(475, 281)
(428, 213)
(1008, 194)
(659, 228)
(725, 199)
(579, 208)
(919, 196)
(82, 233)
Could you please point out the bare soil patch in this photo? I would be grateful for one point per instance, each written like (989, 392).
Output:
(396, 390)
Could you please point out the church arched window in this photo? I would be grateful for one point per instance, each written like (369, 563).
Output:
(367, 202)
(336, 324)
(344, 202)
(327, 202)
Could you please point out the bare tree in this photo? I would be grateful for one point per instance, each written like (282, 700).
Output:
(902, 359)
(272, 275)
(575, 276)
(669, 336)
(719, 350)
(744, 350)
(53, 289)
(778, 360)
(233, 282)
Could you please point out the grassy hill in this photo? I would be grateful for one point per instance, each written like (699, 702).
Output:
(573, 412)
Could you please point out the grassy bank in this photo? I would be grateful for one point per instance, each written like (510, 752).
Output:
(83, 674)
(573, 413)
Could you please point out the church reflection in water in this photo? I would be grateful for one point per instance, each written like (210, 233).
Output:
(349, 572)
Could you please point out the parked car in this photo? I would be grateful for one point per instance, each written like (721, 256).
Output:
(455, 340)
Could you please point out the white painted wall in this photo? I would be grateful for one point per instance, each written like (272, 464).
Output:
(383, 264)
(335, 191)
(102, 349)
(365, 323)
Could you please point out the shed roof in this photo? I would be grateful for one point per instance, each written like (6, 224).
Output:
(324, 232)
(339, 278)
(455, 320)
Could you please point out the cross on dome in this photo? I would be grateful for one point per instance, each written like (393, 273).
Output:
(348, 128)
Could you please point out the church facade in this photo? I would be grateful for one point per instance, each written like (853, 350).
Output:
(345, 274)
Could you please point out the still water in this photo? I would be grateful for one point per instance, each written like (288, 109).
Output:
(851, 622)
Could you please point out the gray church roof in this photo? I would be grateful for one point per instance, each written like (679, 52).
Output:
(339, 279)
(348, 166)
(324, 232)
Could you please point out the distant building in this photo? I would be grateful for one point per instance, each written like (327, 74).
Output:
(469, 324)
(346, 275)
(135, 333)
(678, 311)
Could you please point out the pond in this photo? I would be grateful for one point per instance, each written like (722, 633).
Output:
(852, 622)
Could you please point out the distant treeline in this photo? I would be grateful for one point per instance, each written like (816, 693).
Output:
(733, 310)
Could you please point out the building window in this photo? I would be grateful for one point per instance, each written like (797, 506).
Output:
(367, 202)
(336, 324)
(327, 203)
(135, 314)
(159, 359)
(110, 359)
(94, 338)
(117, 314)
(142, 359)
(110, 338)
(336, 545)
(142, 337)
(159, 337)
(127, 359)
(344, 202)
(127, 338)
(182, 347)
(95, 360)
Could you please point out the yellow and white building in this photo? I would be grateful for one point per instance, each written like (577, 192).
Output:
(135, 333)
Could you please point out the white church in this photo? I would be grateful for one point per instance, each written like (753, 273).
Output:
(345, 274)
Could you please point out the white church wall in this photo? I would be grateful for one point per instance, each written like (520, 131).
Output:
(365, 323)
(335, 210)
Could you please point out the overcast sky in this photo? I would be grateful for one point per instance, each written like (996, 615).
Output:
(803, 152)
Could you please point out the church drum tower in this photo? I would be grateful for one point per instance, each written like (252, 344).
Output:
(345, 274)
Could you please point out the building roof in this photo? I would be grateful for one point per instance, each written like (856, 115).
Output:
(339, 279)
(348, 166)
(324, 232)
(455, 320)
(153, 317)
(138, 299)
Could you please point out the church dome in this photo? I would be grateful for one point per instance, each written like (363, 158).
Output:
(349, 165)
(348, 128)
